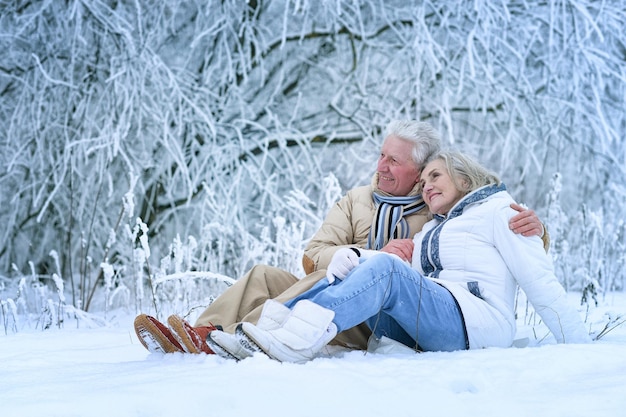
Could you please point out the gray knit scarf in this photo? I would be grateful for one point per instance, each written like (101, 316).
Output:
(389, 221)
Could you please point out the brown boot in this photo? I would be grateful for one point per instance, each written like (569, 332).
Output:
(192, 339)
(155, 336)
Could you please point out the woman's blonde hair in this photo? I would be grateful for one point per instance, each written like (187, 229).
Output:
(466, 173)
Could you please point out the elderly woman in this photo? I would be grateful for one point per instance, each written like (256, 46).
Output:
(457, 294)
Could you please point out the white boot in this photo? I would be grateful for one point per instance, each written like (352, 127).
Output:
(230, 346)
(238, 346)
(304, 332)
(273, 315)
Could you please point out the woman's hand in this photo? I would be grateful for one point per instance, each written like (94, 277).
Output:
(343, 261)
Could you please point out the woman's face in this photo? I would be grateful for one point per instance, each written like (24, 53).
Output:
(397, 173)
(438, 190)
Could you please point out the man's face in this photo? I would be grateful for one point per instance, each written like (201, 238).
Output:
(397, 173)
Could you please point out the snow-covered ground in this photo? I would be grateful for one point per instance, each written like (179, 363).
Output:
(106, 372)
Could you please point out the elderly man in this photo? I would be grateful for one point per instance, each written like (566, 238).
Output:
(383, 215)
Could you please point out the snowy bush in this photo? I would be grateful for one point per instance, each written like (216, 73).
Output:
(230, 127)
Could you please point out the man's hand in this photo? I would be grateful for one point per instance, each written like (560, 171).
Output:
(526, 222)
(400, 247)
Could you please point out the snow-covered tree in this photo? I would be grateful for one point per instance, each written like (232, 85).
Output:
(224, 119)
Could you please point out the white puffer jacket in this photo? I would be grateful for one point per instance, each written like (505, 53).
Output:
(478, 247)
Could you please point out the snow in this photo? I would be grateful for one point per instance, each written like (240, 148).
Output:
(105, 371)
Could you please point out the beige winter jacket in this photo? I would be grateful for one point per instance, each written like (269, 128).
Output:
(348, 224)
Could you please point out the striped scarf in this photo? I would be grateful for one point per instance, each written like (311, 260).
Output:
(431, 264)
(389, 221)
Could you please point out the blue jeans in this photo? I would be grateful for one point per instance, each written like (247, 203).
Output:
(395, 301)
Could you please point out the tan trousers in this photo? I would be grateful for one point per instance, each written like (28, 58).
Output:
(244, 302)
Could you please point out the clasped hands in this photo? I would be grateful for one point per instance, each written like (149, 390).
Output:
(344, 260)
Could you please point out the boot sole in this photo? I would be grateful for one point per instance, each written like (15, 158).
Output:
(219, 350)
(179, 332)
(250, 343)
(151, 337)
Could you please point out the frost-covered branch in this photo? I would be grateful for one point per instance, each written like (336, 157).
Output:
(230, 115)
